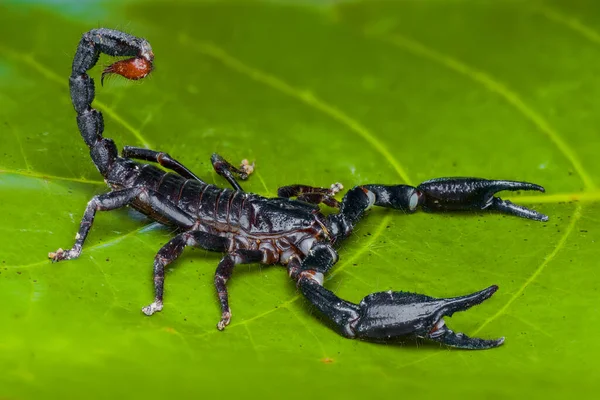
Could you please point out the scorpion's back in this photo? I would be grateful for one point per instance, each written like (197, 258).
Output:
(217, 210)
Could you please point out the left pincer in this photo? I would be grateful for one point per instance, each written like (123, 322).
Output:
(389, 315)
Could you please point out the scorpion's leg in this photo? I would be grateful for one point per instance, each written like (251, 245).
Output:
(103, 202)
(385, 315)
(313, 195)
(223, 273)
(226, 170)
(173, 249)
(161, 158)
(117, 199)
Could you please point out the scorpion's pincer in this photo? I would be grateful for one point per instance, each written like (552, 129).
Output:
(61, 254)
(56, 255)
(388, 315)
(451, 194)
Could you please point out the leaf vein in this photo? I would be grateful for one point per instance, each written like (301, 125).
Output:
(559, 245)
(494, 86)
(38, 175)
(88, 248)
(212, 50)
(570, 22)
(303, 322)
(30, 61)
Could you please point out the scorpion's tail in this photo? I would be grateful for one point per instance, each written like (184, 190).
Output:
(114, 43)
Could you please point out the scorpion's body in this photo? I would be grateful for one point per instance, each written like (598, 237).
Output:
(249, 228)
(279, 228)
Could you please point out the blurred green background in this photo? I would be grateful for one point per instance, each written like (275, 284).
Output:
(315, 93)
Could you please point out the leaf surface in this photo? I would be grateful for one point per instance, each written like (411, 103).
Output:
(373, 92)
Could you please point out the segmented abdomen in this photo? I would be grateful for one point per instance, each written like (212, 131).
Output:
(220, 211)
(215, 207)
(212, 205)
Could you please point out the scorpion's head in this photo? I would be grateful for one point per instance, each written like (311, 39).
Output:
(396, 314)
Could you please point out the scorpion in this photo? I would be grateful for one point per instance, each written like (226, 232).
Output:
(248, 228)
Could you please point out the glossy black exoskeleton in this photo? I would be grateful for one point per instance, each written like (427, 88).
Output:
(249, 228)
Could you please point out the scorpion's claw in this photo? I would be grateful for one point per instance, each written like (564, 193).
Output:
(246, 168)
(507, 207)
(133, 68)
(392, 315)
(56, 256)
(459, 340)
(61, 254)
(152, 308)
(225, 320)
(448, 194)
(387, 315)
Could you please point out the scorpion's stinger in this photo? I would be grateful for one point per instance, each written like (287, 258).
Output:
(133, 68)
(90, 121)
(103, 151)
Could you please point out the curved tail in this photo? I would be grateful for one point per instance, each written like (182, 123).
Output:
(90, 121)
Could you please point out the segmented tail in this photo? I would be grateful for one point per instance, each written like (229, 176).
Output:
(90, 121)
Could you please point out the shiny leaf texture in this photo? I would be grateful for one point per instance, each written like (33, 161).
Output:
(355, 92)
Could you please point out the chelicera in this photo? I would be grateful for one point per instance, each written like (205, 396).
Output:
(249, 228)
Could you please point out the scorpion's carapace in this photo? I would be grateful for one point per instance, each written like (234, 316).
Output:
(249, 228)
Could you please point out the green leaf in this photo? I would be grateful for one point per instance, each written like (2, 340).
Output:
(394, 92)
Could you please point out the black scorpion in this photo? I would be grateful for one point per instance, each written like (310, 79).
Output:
(249, 228)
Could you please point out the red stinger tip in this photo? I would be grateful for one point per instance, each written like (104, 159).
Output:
(133, 68)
